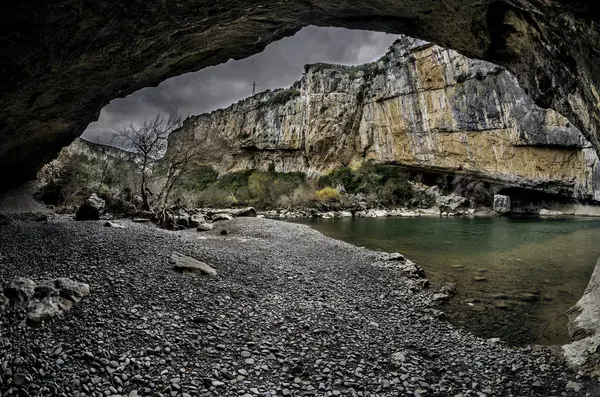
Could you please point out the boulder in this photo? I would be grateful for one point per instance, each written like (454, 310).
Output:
(222, 217)
(451, 203)
(182, 220)
(583, 353)
(91, 209)
(243, 212)
(400, 263)
(196, 220)
(45, 299)
(204, 227)
(187, 264)
(114, 225)
(72, 290)
(546, 212)
(20, 290)
(502, 204)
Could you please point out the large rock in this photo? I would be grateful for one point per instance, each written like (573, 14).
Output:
(235, 212)
(91, 209)
(61, 63)
(584, 328)
(187, 264)
(502, 204)
(43, 300)
(401, 264)
(205, 227)
(451, 203)
(20, 291)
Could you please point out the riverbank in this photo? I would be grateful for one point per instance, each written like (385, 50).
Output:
(290, 312)
(515, 277)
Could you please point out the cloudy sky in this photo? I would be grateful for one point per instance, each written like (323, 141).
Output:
(216, 87)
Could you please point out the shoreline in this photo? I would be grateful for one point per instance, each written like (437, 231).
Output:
(300, 304)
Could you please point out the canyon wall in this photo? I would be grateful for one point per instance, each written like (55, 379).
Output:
(419, 106)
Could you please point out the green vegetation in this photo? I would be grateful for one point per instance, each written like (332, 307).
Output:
(364, 185)
(380, 185)
(281, 97)
(70, 182)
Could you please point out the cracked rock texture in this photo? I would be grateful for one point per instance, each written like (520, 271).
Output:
(419, 106)
(63, 60)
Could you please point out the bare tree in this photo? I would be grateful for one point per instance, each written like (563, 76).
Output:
(182, 156)
(149, 141)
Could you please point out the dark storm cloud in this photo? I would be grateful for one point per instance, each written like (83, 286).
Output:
(216, 87)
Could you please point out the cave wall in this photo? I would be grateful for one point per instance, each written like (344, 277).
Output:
(61, 61)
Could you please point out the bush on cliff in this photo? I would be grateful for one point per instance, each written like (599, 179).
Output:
(328, 195)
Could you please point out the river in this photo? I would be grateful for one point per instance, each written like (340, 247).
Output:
(515, 277)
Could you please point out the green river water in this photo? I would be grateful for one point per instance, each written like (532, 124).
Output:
(534, 268)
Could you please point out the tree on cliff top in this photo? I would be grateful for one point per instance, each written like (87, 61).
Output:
(149, 140)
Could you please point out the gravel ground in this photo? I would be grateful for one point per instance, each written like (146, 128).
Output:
(290, 313)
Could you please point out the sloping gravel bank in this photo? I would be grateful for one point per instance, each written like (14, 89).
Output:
(291, 312)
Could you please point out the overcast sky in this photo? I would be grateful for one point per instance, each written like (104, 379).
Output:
(278, 66)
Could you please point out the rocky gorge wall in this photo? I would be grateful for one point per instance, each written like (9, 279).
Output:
(419, 106)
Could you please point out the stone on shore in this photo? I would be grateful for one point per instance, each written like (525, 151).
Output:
(451, 202)
(91, 209)
(502, 204)
(221, 217)
(547, 212)
(187, 264)
(204, 227)
(400, 263)
(114, 225)
(44, 300)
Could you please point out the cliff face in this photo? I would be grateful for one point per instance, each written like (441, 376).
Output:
(419, 106)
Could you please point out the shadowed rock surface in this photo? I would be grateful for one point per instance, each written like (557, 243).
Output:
(291, 311)
(63, 60)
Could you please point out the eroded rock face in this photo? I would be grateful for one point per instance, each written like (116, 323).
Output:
(419, 106)
(62, 61)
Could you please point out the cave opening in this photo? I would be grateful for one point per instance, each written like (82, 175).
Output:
(313, 290)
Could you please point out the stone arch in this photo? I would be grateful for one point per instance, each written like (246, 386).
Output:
(60, 63)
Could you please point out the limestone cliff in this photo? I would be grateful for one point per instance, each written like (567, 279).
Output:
(419, 106)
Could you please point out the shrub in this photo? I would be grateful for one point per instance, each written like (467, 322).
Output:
(344, 178)
(328, 194)
(214, 197)
(395, 191)
(234, 180)
(304, 196)
(261, 186)
(281, 97)
(199, 178)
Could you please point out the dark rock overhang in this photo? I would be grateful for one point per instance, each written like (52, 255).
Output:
(62, 61)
